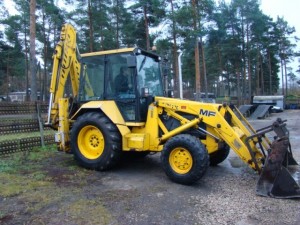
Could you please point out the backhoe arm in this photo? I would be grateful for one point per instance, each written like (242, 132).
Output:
(65, 64)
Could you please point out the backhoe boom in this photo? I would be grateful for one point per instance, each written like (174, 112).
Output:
(65, 64)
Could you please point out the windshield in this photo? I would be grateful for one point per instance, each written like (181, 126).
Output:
(149, 75)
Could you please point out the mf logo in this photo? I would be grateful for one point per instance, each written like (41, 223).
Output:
(207, 113)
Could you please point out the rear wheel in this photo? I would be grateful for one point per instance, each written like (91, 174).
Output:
(219, 156)
(184, 159)
(95, 141)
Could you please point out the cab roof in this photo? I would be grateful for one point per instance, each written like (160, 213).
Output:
(108, 52)
(121, 50)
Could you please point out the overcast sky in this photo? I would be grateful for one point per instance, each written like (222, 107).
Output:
(290, 11)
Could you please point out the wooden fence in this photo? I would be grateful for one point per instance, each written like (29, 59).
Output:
(19, 126)
(22, 108)
(16, 118)
(24, 144)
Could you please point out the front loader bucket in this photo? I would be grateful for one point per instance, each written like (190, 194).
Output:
(280, 175)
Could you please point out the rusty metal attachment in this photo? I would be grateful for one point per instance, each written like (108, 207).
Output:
(280, 175)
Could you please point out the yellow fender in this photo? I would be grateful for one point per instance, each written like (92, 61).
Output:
(109, 108)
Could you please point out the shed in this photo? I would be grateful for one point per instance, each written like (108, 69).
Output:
(276, 100)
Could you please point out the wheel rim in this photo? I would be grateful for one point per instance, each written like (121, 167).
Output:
(91, 142)
(181, 160)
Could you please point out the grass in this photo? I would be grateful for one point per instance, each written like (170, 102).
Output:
(45, 186)
(18, 162)
(17, 169)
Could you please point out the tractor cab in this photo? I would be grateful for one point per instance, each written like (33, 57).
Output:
(131, 77)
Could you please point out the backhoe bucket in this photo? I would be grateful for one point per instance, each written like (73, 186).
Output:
(281, 174)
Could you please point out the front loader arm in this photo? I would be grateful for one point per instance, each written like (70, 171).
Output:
(65, 64)
(221, 125)
(274, 161)
(237, 135)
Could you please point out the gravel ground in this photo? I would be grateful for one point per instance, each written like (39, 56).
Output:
(139, 193)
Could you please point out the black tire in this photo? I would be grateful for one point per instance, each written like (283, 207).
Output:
(193, 156)
(95, 141)
(219, 156)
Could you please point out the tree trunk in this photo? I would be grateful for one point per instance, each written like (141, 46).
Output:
(175, 55)
(257, 74)
(285, 74)
(249, 66)
(7, 77)
(270, 73)
(242, 93)
(220, 71)
(45, 50)
(117, 24)
(238, 88)
(262, 76)
(32, 50)
(26, 61)
(204, 67)
(91, 30)
(197, 58)
(282, 80)
(146, 28)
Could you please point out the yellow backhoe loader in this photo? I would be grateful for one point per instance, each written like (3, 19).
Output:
(105, 117)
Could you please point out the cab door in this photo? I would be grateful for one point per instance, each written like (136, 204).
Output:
(126, 98)
(149, 83)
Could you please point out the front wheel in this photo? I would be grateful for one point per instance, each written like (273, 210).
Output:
(184, 159)
(95, 141)
(220, 155)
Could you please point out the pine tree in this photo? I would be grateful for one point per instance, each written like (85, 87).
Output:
(49, 23)
(13, 58)
(283, 34)
(148, 13)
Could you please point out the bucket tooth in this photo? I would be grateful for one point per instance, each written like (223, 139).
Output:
(280, 175)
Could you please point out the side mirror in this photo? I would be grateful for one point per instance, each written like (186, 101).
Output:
(131, 61)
